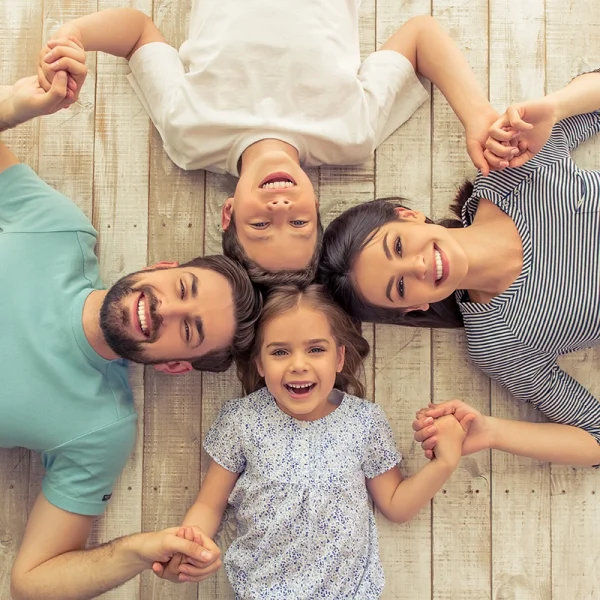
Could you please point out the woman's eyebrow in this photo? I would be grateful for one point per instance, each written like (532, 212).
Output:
(388, 290)
(386, 249)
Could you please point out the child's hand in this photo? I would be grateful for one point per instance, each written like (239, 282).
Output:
(526, 126)
(450, 437)
(475, 425)
(63, 54)
(182, 568)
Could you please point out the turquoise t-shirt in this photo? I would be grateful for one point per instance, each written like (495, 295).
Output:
(57, 395)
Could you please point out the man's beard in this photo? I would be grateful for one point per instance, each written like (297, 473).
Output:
(115, 319)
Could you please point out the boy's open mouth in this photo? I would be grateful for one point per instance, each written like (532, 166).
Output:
(277, 181)
(299, 390)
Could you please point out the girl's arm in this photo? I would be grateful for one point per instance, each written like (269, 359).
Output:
(401, 499)
(434, 55)
(553, 442)
(200, 525)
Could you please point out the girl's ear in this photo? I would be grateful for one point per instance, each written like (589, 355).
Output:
(341, 355)
(259, 368)
(407, 214)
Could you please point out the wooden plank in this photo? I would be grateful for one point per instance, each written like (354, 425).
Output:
(172, 442)
(402, 355)
(217, 388)
(461, 512)
(573, 46)
(20, 32)
(120, 210)
(520, 487)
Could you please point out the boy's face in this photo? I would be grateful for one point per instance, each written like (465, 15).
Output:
(275, 213)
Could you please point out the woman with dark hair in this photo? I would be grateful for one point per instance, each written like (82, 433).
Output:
(520, 272)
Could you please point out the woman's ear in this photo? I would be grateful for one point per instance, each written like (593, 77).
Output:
(422, 307)
(407, 214)
(341, 356)
(226, 212)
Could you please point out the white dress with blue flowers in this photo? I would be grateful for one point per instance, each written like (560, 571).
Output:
(305, 526)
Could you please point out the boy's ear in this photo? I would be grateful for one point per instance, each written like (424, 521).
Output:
(174, 367)
(226, 213)
(341, 356)
(407, 214)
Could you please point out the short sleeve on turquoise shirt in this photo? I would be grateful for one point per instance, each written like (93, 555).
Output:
(80, 475)
(29, 205)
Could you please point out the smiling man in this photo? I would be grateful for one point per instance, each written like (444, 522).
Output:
(65, 392)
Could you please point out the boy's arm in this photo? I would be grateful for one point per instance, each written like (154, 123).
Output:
(434, 55)
(116, 31)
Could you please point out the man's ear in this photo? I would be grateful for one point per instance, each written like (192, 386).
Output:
(226, 213)
(163, 264)
(407, 214)
(419, 307)
(174, 367)
(341, 357)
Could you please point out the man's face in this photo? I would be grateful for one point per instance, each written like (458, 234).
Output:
(168, 314)
(275, 213)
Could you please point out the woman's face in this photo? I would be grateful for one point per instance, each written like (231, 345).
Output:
(409, 263)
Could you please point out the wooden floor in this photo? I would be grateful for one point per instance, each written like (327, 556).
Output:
(503, 528)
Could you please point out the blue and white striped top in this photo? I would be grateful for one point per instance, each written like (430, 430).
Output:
(553, 307)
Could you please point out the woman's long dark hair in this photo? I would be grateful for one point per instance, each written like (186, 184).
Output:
(344, 239)
(343, 329)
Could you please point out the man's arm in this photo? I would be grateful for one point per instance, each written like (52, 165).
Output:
(52, 564)
(116, 31)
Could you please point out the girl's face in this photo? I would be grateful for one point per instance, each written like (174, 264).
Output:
(299, 359)
(409, 263)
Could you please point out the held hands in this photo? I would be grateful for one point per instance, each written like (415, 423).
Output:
(450, 436)
(184, 566)
(475, 426)
(521, 132)
(63, 54)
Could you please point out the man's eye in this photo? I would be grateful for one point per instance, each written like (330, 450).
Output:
(261, 225)
(182, 288)
(187, 331)
(398, 247)
(401, 287)
(298, 223)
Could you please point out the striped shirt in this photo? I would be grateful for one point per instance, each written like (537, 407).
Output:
(553, 307)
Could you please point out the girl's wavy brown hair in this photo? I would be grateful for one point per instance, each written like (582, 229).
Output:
(344, 330)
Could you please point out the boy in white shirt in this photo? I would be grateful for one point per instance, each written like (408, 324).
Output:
(261, 89)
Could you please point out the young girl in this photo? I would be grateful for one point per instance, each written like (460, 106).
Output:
(520, 271)
(296, 459)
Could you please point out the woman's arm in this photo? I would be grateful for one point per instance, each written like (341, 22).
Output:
(401, 499)
(553, 442)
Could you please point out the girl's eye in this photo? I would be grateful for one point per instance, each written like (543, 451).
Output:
(401, 287)
(187, 331)
(182, 288)
(316, 350)
(298, 223)
(261, 225)
(278, 353)
(398, 247)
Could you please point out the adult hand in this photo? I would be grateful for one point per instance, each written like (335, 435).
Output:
(477, 133)
(475, 425)
(63, 54)
(189, 568)
(526, 126)
(26, 99)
